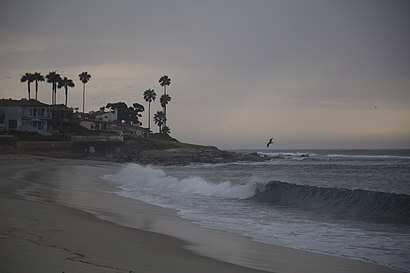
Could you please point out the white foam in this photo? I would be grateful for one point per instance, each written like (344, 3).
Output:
(219, 205)
(287, 155)
(304, 155)
(368, 156)
(134, 176)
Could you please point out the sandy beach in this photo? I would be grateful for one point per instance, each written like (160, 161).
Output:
(56, 215)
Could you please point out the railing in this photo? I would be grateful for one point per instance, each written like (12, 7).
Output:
(47, 115)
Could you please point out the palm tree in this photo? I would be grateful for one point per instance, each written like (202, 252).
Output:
(164, 100)
(37, 78)
(164, 81)
(27, 77)
(160, 119)
(53, 77)
(166, 130)
(149, 96)
(84, 78)
(66, 82)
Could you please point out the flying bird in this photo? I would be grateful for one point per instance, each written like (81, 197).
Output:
(270, 142)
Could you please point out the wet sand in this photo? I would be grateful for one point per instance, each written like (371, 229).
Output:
(58, 216)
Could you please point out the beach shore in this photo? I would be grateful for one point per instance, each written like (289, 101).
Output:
(56, 215)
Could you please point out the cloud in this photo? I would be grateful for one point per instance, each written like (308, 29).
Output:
(237, 67)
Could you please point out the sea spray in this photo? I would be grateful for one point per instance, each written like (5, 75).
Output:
(134, 176)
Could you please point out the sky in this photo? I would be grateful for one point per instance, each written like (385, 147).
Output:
(309, 73)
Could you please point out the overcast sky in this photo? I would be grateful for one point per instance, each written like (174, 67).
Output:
(311, 74)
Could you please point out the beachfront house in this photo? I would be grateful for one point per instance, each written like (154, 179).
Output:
(107, 116)
(25, 116)
(133, 130)
(98, 125)
(121, 129)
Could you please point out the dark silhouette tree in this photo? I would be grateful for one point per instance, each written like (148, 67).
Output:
(165, 81)
(166, 130)
(159, 119)
(138, 108)
(37, 77)
(53, 78)
(84, 78)
(149, 96)
(125, 113)
(164, 100)
(66, 83)
(27, 77)
(122, 110)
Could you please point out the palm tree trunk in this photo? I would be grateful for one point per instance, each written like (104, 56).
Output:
(83, 97)
(164, 109)
(36, 88)
(66, 95)
(165, 114)
(55, 94)
(28, 88)
(149, 116)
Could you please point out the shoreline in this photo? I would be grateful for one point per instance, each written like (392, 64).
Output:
(141, 151)
(43, 236)
(72, 198)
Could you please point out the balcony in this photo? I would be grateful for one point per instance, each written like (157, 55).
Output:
(45, 115)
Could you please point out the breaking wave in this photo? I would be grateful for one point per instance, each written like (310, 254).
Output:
(287, 155)
(343, 202)
(153, 185)
(134, 177)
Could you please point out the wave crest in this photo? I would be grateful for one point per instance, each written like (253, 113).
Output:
(358, 202)
(133, 176)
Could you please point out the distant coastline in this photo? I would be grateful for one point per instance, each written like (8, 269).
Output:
(143, 151)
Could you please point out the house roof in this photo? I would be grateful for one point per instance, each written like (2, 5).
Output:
(22, 102)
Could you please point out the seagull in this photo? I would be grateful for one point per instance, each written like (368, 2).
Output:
(270, 142)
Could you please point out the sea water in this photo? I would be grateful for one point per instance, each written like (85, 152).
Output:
(348, 203)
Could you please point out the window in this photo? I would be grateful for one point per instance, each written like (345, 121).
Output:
(12, 124)
(37, 124)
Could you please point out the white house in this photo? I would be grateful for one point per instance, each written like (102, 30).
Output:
(133, 130)
(98, 125)
(25, 116)
(121, 129)
(108, 116)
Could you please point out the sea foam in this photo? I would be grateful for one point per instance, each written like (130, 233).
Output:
(134, 176)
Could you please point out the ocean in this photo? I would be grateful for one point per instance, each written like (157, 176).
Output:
(348, 203)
